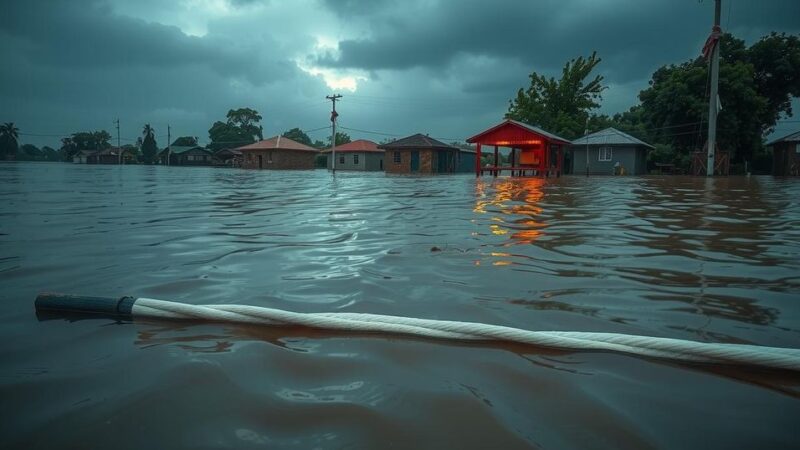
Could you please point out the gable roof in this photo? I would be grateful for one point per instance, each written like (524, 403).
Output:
(418, 140)
(609, 136)
(277, 142)
(178, 149)
(360, 145)
(522, 125)
(794, 137)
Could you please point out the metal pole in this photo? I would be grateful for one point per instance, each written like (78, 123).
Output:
(712, 102)
(586, 134)
(169, 145)
(119, 146)
(334, 115)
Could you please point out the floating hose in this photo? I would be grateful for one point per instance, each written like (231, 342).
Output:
(657, 347)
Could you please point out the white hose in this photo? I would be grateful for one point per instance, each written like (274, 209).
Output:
(674, 349)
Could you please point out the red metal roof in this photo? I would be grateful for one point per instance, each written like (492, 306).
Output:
(360, 145)
(277, 142)
(511, 133)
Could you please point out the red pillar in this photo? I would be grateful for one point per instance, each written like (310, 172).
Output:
(478, 161)
(495, 160)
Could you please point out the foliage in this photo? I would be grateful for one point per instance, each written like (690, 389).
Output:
(318, 144)
(9, 143)
(341, 138)
(675, 106)
(149, 145)
(241, 128)
(297, 135)
(560, 106)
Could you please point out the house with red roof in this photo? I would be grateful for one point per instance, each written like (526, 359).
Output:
(357, 155)
(278, 152)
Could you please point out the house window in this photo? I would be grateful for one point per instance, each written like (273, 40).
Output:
(355, 158)
(604, 154)
(341, 159)
(269, 157)
(797, 148)
(397, 157)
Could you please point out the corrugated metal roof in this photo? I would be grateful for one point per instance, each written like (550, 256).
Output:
(277, 142)
(360, 145)
(418, 140)
(794, 137)
(609, 136)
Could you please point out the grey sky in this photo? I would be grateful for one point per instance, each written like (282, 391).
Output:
(447, 68)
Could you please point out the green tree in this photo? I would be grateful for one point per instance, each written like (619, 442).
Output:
(296, 134)
(776, 64)
(560, 106)
(91, 140)
(149, 145)
(50, 154)
(341, 138)
(29, 152)
(68, 149)
(241, 128)
(9, 140)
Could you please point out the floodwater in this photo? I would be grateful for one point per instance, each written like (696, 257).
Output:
(709, 260)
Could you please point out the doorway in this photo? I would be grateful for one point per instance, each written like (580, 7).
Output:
(415, 161)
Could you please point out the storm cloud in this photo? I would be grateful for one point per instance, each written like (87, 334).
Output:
(446, 68)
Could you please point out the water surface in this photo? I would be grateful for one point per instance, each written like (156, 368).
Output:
(709, 260)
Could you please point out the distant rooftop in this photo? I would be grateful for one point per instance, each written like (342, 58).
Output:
(277, 142)
(609, 136)
(360, 145)
(794, 137)
(416, 141)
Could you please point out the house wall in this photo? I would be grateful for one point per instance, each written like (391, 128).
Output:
(198, 158)
(366, 161)
(785, 158)
(633, 158)
(466, 162)
(280, 159)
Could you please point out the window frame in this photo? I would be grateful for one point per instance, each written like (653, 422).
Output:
(355, 159)
(397, 158)
(605, 153)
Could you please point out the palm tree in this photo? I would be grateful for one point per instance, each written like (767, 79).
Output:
(149, 146)
(148, 131)
(9, 135)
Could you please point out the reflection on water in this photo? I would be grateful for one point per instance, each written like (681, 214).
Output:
(712, 260)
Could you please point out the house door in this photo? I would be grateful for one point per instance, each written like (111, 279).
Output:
(260, 161)
(415, 161)
(444, 162)
(381, 163)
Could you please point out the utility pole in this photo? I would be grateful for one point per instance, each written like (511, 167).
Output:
(586, 134)
(712, 101)
(334, 115)
(119, 147)
(169, 144)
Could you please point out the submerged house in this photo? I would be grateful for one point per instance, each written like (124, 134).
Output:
(110, 155)
(423, 154)
(228, 157)
(278, 152)
(610, 152)
(786, 155)
(191, 155)
(357, 155)
(532, 149)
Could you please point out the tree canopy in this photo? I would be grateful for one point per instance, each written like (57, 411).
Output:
(9, 144)
(297, 135)
(560, 106)
(341, 138)
(149, 144)
(243, 126)
(185, 141)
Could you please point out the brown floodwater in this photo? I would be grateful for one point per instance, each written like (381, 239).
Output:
(712, 260)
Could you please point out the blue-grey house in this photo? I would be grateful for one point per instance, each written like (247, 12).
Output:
(610, 151)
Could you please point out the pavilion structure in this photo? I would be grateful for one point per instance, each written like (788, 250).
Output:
(533, 151)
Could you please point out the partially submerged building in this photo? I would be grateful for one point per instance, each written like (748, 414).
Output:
(425, 155)
(357, 155)
(786, 155)
(229, 157)
(533, 151)
(610, 152)
(111, 155)
(190, 155)
(278, 152)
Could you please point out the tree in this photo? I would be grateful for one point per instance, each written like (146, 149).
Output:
(185, 141)
(91, 140)
(341, 138)
(776, 64)
(29, 152)
(149, 145)
(68, 149)
(241, 128)
(296, 134)
(50, 154)
(9, 144)
(560, 106)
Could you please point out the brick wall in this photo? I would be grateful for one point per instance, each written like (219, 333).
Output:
(405, 162)
(279, 159)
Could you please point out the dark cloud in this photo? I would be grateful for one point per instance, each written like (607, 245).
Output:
(633, 37)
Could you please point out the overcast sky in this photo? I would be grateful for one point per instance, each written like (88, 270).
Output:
(447, 68)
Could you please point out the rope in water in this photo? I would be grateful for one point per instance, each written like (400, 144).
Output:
(666, 348)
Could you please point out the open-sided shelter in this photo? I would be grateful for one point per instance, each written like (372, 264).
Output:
(533, 150)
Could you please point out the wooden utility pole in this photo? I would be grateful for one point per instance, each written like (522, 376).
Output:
(119, 147)
(169, 145)
(334, 115)
(712, 101)
(586, 134)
